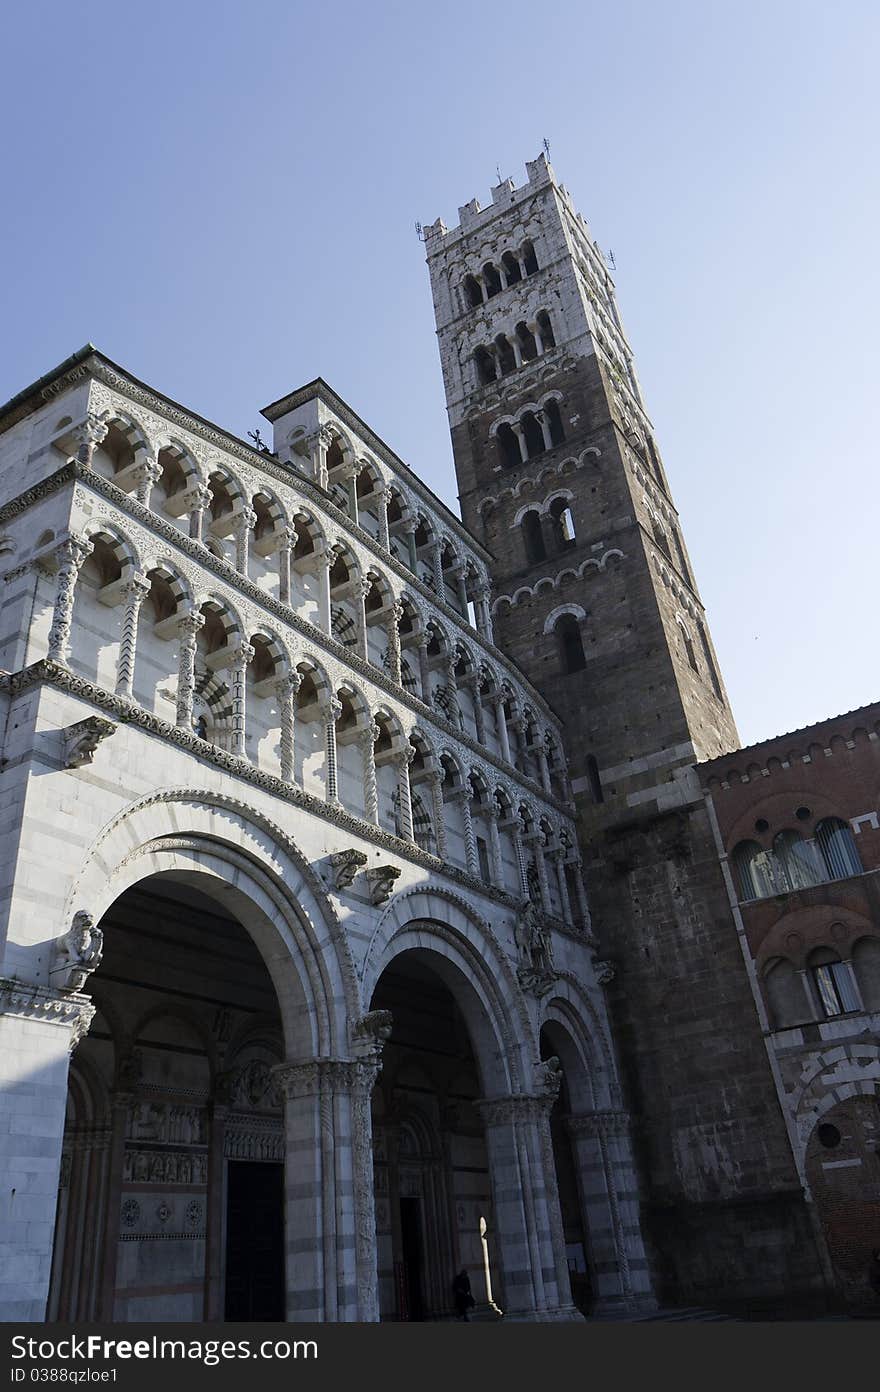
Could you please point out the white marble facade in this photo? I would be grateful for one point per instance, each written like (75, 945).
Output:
(271, 679)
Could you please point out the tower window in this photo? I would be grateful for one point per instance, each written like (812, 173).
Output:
(554, 421)
(546, 328)
(472, 293)
(511, 268)
(563, 524)
(571, 648)
(492, 280)
(530, 260)
(533, 537)
(534, 436)
(508, 447)
(506, 358)
(484, 362)
(528, 346)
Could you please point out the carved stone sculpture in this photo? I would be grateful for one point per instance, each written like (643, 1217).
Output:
(370, 1034)
(82, 739)
(382, 879)
(78, 953)
(345, 865)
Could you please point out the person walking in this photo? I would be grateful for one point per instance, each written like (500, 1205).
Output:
(461, 1289)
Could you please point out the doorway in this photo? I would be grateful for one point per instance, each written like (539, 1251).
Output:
(254, 1241)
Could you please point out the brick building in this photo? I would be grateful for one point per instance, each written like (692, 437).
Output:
(798, 825)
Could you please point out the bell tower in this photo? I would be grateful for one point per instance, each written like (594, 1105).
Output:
(560, 477)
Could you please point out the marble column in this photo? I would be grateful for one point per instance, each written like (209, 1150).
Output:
(71, 556)
(366, 740)
(329, 717)
(187, 628)
(286, 690)
(134, 592)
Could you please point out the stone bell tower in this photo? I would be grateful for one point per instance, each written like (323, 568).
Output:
(594, 598)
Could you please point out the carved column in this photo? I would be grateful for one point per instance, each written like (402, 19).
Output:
(323, 564)
(522, 1226)
(558, 858)
(437, 568)
(536, 840)
(238, 668)
(148, 474)
(463, 795)
(545, 429)
(89, 436)
(461, 589)
(495, 843)
(71, 555)
(319, 443)
(367, 739)
(187, 630)
(424, 670)
(517, 837)
(197, 501)
(503, 736)
(286, 547)
(549, 1083)
(544, 768)
(538, 336)
(329, 717)
(478, 712)
(286, 690)
(581, 893)
(517, 349)
(408, 528)
(359, 595)
(395, 614)
(331, 1224)
(244, 525)
(521, 441)
(436, 782)
(385, 498)
(484, 615)
(351, 491)
(134, 592)
(608, 1192)
(402, 760)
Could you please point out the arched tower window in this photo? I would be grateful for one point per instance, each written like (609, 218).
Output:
(534, 436)
(834, 983)
(484, 362)
(511, 268)
(508, 447)
(554, 421)
(533, 538)
(838, 848)
(571, 648)
(492, 280)
(563, 523)
(472, 293)
(530, 260)
(547, 335)
(506, 358)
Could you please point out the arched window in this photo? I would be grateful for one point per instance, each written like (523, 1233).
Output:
(784, 994)
(563, 523)
(484, 362)
(571, 648)
(554, 421)
(798, 861)
(508, 447)
(533, 538)
(754, 869)
(527, 344)
(534, 436)
(834, 982)
(530, 260)
(688, 645)
(547, 336)
(838, 848)
(511, 268)
(491, 280)
(472, 292)
(506, 359)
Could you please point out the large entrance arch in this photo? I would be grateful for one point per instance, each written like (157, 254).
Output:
(171, 1200)
(463, 1159)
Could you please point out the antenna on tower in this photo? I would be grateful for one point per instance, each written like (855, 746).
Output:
(546, 147)
(609, 257)
(419, 232)
(498, 172)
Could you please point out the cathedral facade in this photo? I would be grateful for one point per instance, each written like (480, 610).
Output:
(301, 1006)
(368, 913)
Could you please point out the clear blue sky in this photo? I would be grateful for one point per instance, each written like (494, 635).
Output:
(222, 197)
